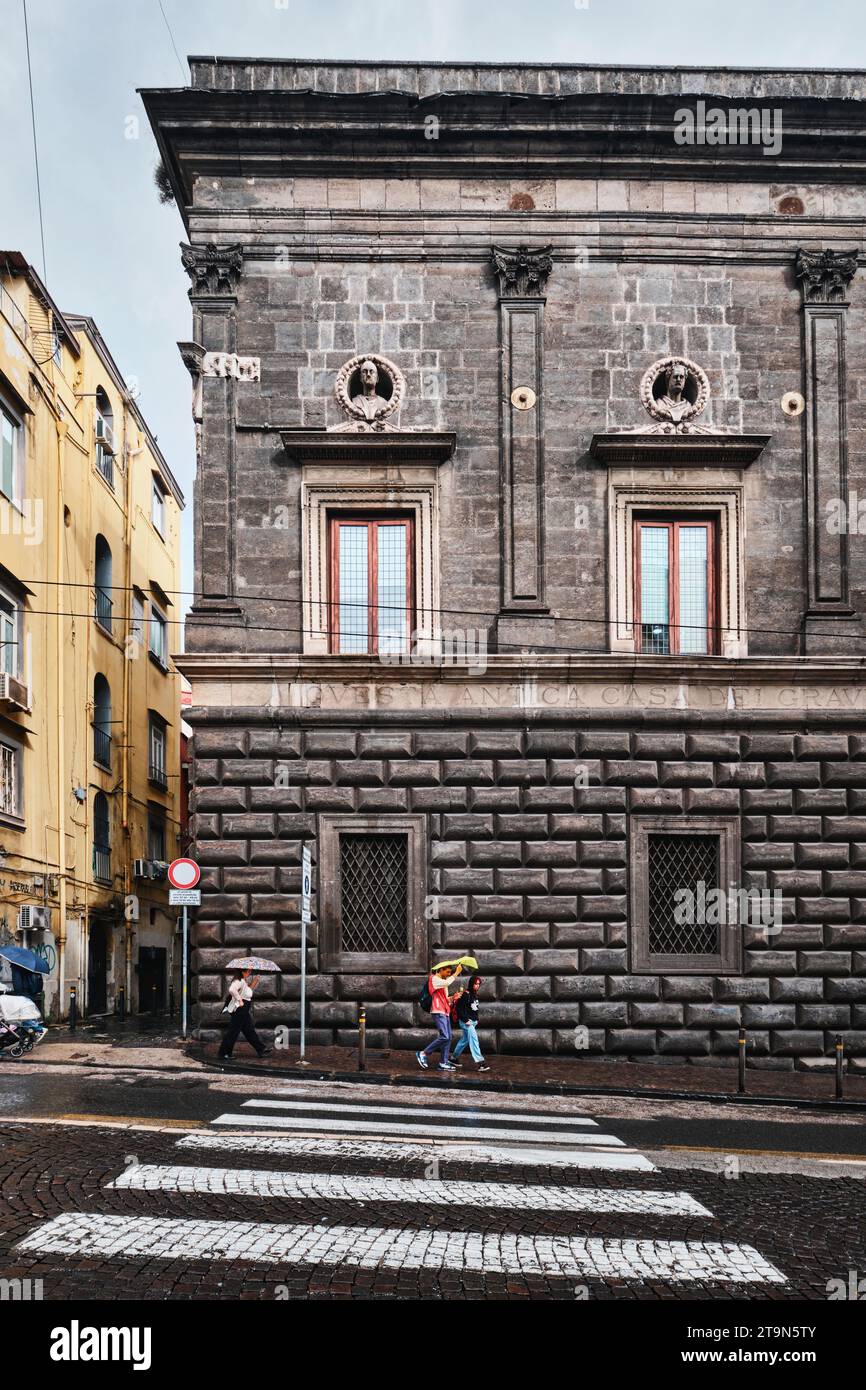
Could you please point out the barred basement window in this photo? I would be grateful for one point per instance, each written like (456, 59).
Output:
(371, 891)
(678, 866)
(677, 863)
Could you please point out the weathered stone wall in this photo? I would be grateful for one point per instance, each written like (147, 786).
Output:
(531, 873)
(604, 324)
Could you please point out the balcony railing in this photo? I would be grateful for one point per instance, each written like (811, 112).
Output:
(102, 747)
(102, 863)
(105, 464)
(157, 774)
(103, 609)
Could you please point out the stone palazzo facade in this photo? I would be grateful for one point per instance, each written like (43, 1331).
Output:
(529, 564)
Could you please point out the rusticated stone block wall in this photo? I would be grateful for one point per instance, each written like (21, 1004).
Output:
(530, 871)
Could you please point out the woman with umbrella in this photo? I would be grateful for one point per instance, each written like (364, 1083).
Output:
(239, 1006)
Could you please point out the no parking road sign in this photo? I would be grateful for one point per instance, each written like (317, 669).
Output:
(183, 873)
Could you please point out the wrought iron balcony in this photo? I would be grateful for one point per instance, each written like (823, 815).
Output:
(103, 609)
(102, 747)
(102, 863)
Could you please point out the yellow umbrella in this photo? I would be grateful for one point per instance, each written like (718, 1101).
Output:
(469, 961)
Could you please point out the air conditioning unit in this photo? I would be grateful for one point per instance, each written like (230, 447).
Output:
(158, 869)
(104, 434)
(12, 693)
(141, 868)
(33, 918)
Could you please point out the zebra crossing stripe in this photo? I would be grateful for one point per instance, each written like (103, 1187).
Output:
(512, 1117)
(488, 1154)
(334, 1187)
(377, 1127)
(376, 1247)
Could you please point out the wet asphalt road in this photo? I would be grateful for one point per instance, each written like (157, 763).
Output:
(49, 1092)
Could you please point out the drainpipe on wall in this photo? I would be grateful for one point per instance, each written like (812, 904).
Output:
(61, 429)
(128, 456)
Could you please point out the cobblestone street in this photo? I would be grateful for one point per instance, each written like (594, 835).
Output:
(300, 1194)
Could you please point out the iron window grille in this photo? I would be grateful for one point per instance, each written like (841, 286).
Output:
(156, 771)
(101, 838)
(371, 893)
(670, 859)
(8, 779)
(373, 873)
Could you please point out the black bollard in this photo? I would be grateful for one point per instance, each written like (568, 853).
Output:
(741, 1062)
(121, 1003)
(73, 1008)
(840, 1063)
(362, 1038)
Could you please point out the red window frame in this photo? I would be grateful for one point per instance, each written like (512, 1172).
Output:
(373, 522)
(673, 526)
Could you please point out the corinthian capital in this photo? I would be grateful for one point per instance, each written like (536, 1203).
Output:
(522, 270)
(824, 276)
(212, 269)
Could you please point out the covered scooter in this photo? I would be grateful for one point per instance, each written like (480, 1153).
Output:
(21, 1025)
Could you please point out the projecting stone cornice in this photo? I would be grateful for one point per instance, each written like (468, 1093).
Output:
(384, 447)
(474, 129)
(678, 450)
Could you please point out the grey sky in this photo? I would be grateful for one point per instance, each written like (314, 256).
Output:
(111, 249)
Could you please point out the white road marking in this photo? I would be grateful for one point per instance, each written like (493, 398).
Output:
(444, 1112)
(419, 1131)
(528, 1156)
(375, 1247)
(336, 1187)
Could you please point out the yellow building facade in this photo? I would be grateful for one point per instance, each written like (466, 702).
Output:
(90, 790)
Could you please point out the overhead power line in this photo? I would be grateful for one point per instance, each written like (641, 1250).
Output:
(421, 609)
(35, 146)
(173, 44)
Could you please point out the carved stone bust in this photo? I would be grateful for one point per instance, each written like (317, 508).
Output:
(368, 397)
(370, 391)
(674, 391)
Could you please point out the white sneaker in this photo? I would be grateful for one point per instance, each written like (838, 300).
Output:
(421, 1060)
(447, 1066)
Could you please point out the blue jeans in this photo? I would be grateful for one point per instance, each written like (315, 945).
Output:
(469, 1038)
(443, 1025)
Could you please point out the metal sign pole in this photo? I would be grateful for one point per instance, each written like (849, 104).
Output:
(303, 986)
(185, 956)
(306, 883)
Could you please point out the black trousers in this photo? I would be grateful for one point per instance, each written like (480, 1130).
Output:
(241, 1021)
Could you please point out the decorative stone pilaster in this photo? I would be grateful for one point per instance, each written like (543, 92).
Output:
(214, 273)
(824, 277)
(522, 273)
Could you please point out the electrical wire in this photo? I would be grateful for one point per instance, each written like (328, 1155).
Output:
(35, 146)
(424, 610)
(173, 44)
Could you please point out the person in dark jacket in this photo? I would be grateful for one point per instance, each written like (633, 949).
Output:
(467, 1017)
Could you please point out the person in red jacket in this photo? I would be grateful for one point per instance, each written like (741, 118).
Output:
(440, 984)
